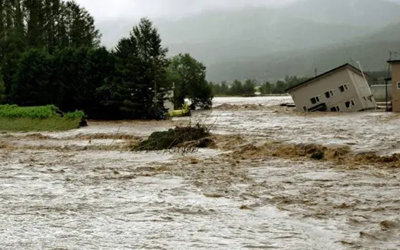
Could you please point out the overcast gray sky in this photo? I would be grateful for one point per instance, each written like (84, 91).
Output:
(134, 9)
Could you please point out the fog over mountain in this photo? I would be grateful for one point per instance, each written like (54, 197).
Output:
(267, 40)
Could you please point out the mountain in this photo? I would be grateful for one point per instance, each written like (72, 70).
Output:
(372, 51)
(234, 34)
(268, 44)
(372, 56)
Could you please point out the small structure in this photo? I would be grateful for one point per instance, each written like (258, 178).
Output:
(395, 79)
(342, 89)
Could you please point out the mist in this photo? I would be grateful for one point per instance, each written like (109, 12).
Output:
(262, 39)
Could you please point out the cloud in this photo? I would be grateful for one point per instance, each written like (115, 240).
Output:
(134, 9)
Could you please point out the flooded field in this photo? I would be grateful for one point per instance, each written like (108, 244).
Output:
(258, 188)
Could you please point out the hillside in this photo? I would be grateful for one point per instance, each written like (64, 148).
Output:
(372, 55)
(222, 36)
(268, 44)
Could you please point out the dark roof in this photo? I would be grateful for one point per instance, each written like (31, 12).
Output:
(393, 61)
(347, 65)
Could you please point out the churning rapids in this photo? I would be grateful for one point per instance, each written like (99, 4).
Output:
(257, 188)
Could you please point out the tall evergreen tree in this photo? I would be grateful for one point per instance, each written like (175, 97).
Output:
(139, 86)
(82, 31)
(2, 90)
(34, 11)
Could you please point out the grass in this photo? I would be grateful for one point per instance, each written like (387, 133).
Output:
(31, 124)
(38, 118)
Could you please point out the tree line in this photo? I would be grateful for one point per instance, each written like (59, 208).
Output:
(50, 53)
(252, 87)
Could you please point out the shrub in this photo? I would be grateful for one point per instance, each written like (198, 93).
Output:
(38, 112)
(75, 115)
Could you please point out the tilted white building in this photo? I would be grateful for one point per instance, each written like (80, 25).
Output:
(342, 89)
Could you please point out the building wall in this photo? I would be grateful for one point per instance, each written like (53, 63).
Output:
(395, 89)
(363, 90)
(356, 88)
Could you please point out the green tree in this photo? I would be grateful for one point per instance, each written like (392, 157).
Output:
(32, 83)
(266, 88)
(139, 86)
(249, 87)
(2, 90)
(82, 31)
(78, 73)
(189, 79)
(34, 11)
(236, 89)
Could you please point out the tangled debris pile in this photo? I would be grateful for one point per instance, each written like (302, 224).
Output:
(184, 139)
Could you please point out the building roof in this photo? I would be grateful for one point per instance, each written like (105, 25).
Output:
(393, 61)
(347, 65)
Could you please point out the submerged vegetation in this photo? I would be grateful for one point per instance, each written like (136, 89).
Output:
(40, 118)
(184, 138)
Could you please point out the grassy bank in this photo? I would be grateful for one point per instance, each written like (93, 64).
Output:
(41, 118)
(30, 124)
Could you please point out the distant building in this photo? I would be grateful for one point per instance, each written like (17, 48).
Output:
(343, 89)
(395, 79)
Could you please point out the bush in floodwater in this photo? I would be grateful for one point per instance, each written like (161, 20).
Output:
(177, 137)
(319, 155)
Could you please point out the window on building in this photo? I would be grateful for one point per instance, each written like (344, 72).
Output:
(329, 94)
(314, 100)
(350, 104)
(398, 85)
(343, 88)
(334, 109)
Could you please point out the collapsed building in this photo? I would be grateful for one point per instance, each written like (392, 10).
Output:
(342, 89)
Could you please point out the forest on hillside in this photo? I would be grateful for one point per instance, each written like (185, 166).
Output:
(50, 53)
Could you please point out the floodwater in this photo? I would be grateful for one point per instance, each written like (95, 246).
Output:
(84, 189)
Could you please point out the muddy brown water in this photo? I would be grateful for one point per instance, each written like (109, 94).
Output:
(83, 189)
